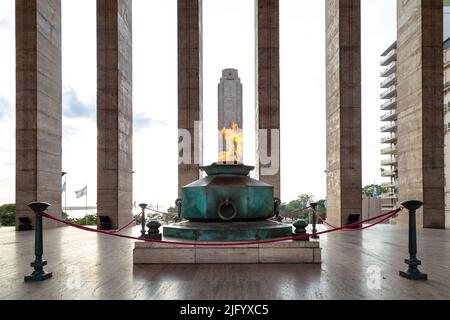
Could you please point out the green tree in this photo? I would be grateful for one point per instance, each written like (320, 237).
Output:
(172, 210)
(8, 215)
(301, 202)
(88, 220)
(372, 189)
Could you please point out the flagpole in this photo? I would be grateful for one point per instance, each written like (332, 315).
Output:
(86, 204)
(65, 193)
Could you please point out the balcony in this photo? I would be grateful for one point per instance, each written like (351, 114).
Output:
(389, 139)
(389, 105)
(389, 185)
(389, 173)
(389, 195)
(390, 69)
(391, 56)
(392, 127)
(446, 85)
(390, 116)
(392, 79)
(389, 93)
(389, 150)
(389, 162)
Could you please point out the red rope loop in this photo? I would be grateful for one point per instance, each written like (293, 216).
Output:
(227, 244)
(127, 225)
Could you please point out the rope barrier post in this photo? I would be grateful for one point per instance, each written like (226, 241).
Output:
(143, 207)
(39, 274)
(314, 220)
(300, 230)
(413, 272)
(153, 230)
(178, 204)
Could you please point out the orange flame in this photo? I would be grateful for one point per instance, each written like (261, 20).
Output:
(233, 141)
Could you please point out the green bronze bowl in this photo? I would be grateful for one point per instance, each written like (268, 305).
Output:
(227, 194)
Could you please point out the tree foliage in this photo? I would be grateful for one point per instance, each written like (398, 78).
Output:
(88, 220)
(8, 215)
(374, 189)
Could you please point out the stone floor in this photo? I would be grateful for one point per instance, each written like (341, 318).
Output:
(355, 266)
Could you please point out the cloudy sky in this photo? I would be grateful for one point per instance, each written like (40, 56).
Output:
(228, 43)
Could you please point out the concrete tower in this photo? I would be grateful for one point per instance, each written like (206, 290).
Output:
(230, 99)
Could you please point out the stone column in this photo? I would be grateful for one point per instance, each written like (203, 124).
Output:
(114, 111)
(38, 106)
(420, 113)
(190, 104)
(268, 93)
(343, 92)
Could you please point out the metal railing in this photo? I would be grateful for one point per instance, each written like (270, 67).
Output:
(389, 139)
(389, 127)
(387, 58)
(389, 150)
(392, 103)
(389, 93)
(390, 69)
(389, 162)
(389, 116)
(388, 81)
(388, 173)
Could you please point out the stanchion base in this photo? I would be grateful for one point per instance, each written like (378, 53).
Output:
(416, 275)
(38, 276)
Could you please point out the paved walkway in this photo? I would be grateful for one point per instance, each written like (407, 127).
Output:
(355, 266)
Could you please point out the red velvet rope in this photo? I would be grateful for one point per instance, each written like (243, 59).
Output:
(357, 229)
(127, 225)
(227, 244)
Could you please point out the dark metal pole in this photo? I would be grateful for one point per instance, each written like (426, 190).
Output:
(314, 220)
(143, 207)
(413, 272)
(39, 274)
(178, 204)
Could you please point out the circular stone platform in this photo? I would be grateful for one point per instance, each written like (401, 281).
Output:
(227, 231)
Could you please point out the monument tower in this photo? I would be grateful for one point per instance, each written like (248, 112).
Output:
(230, 117)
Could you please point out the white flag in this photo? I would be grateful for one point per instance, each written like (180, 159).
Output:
(63, 189)
(82, 192)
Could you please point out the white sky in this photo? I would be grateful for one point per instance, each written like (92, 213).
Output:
(228, 43)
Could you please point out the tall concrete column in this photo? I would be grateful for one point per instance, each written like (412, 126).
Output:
(190, 101)
(114, 110)
(343, 92)
(38, 106)
(268, 93)
(419, 104)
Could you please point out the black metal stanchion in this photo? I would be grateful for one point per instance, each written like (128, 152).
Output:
(178, 204)
(314, 220)
(413, 272)
(300, 230)
(153, 230)
(39, 274)
(143, 207)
